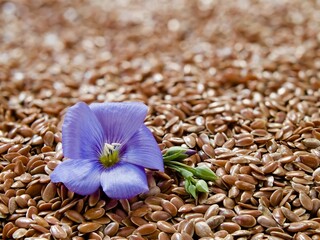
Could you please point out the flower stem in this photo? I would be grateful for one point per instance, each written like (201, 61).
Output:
(195, 178)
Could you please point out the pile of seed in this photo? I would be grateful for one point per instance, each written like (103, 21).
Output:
(238, 81)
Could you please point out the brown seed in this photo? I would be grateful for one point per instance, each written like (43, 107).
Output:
(310, 160)
(24, 222)
(146, 229)
(266, 221)
(276, 197)
(21, 202)
(278, 216)
(40, 220)
(48, 138)
(186, 227)
(75, 216)
(94, 213)
(245, 220)
(202, 229)
(306, 201)
(229, 179)
(228, 213)
(291, 216)
(270, 167)
(254, 213)
(211, 211)
(297, 227)
(311, 142)
(166, 227)
(160, 216)
(281, 235)
(49, 192)
(94, 198)
(88, 227)
(177, 201)
(111, 229)
(161, 236)
(302, 236)
(19, 233)
(138, 220)
(230, 227)
(58, 232)
(39, 228)
(215, 221)
(169, 207)
(216, 198)
(244, 186)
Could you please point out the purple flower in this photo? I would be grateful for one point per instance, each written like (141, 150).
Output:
(107, 144)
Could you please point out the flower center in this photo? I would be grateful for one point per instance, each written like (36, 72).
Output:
(110, 154)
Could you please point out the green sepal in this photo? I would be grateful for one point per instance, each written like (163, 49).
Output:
(202, 186)
(205, 173)
(191, 188)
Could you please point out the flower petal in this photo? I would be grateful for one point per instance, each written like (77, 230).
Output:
(143, 150)
(124, 181)
(82, 134)
(81, 176)
(120, 120)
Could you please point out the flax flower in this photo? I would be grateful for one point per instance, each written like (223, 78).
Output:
(108, 145)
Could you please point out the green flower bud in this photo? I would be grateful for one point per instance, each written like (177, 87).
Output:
(202, 186)
(177, 153)
(191, 189)
(205, 173)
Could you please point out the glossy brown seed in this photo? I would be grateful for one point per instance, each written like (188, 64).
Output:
(39, 228)
(19, 233)
(88, 227)
(230, 227)
(211, 211)
(302, 236)
(278, 216)
(276, 197)
(111, 229)
(216, 198)
(160, 216)
(202, 229)
(215, 221)
(297, 227)
(305, 201)
(75, 216)
(49, 192)
(244, 186)
(291, 216)
(24, 222)
(245, 220)
(58, 232)
(146, 229)
(266, 221)
(166, 227)
(94, 213)
(169, 207)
